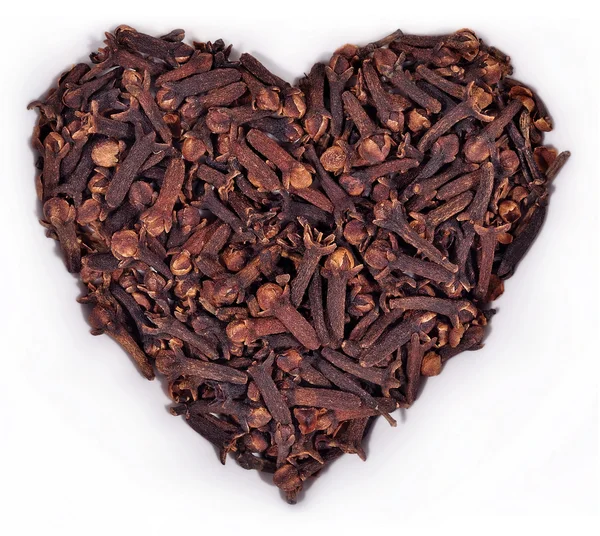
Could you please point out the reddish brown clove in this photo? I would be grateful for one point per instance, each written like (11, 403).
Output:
(274, 301)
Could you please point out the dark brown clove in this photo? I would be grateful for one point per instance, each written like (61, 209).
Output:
(274, 300)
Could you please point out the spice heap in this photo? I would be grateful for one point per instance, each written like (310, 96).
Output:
(293, 259)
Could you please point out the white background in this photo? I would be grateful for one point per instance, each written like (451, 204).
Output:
(505, 437)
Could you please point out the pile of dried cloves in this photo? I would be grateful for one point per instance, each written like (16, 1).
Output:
(292, 259)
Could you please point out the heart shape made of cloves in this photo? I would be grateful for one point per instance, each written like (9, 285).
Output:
(292, 259)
